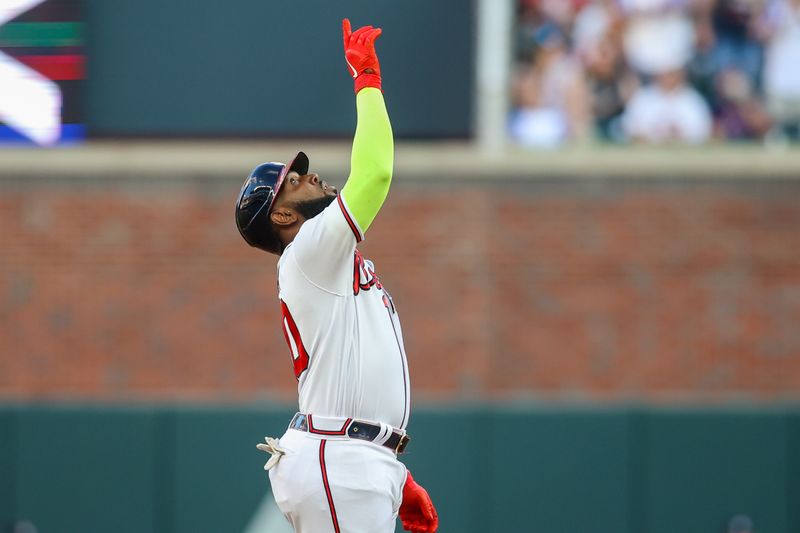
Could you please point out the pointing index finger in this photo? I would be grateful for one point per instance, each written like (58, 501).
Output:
(346, 30)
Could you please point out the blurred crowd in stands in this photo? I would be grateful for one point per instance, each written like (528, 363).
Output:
(656, 71)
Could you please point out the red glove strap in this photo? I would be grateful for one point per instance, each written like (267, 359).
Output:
(368, 80)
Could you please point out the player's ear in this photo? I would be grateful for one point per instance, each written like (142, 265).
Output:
(283, 216)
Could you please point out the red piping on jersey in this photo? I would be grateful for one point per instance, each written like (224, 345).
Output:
(406, 403)
(324, 470)
(312, 429)
(356, 274)
(301, 363)
(349, 220)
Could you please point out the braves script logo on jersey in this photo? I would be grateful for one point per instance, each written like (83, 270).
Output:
(364, 276)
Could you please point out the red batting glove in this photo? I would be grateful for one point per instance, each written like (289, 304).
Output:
(359, 51)
(417, 512)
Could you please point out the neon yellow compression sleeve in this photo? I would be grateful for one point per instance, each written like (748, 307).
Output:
(372, 158)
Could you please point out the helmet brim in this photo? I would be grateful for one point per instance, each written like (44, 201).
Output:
(299, 164)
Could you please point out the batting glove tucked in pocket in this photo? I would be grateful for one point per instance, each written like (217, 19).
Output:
(273, 448)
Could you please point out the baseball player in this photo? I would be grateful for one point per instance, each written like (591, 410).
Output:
(336, 468)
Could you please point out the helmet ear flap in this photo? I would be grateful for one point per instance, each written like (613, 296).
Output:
(254, 203)
(263, 233)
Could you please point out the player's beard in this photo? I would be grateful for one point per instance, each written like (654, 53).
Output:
(311, 208)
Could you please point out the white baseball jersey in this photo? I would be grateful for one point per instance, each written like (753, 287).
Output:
(341, 324)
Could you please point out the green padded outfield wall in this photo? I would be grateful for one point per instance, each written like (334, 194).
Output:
(702, 467)
(77, 469)
(201, 67)
(86, 470)
(8, 458)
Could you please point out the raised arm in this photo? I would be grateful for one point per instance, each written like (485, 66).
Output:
(372, 157)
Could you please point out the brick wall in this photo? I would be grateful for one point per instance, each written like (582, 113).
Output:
(583, 289)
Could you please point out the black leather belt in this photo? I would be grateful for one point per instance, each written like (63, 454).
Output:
(355, 429)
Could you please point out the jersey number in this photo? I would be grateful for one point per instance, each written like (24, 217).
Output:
(292, 334)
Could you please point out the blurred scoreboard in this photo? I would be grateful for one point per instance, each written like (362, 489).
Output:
(42, 68)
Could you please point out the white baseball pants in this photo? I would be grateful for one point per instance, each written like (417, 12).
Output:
(335, 484)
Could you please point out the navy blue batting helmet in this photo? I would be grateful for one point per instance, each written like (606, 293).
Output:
(256, 198)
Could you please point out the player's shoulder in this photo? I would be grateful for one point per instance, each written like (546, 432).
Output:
(290, 278)
(289, 250)
(287, 265)
(293, 279)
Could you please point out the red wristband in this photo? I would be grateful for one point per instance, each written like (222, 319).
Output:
(367, 80)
